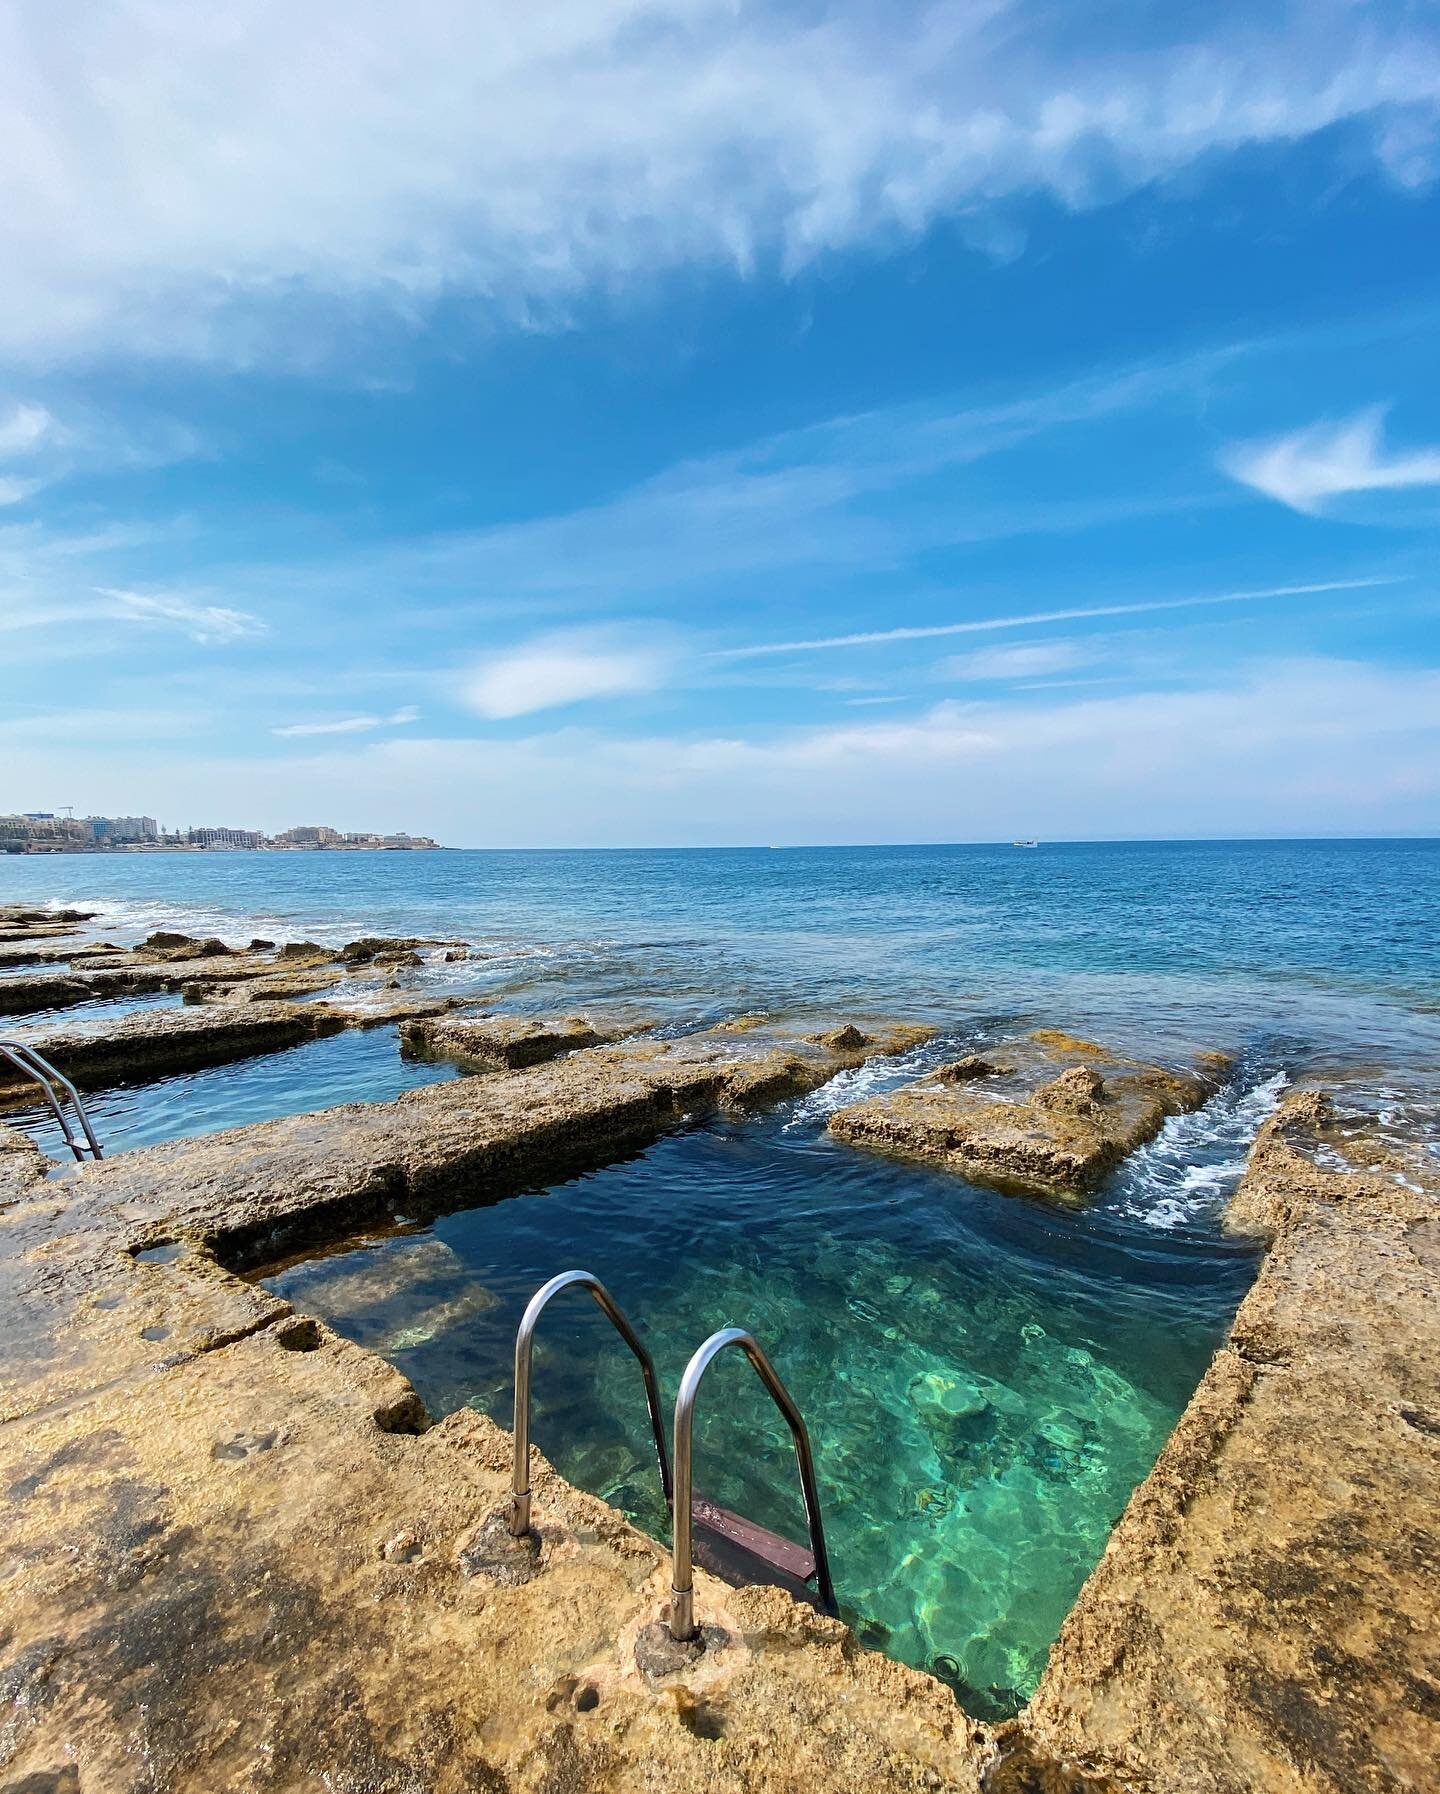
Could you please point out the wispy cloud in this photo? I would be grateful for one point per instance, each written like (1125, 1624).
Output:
(525, 156)
(1026, 660)
(23, 428)
(1308, 467)
(1306, 746)
(867, 638)
(559, 669)
(205, 623)
(40, 447)
(352, 725)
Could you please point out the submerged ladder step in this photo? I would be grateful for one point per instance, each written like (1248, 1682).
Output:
(743, 1553)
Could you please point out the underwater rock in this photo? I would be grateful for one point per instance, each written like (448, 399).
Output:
(1043, 1124)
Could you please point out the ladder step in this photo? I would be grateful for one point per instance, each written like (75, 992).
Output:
(741, 1551)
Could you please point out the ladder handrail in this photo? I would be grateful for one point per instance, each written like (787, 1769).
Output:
(524, 1345)
(682, 1590)
(36, 1066)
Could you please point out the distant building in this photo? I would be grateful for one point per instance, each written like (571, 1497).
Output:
(43, 832)
(124, 828)
(224, 837)
(310, 837)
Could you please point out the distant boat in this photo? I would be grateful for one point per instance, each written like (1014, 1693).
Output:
(1024, 843)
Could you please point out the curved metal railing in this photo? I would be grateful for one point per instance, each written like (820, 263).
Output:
(524, 1345)
(682, 1591)
(25, 1059)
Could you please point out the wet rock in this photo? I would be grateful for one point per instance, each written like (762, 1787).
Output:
(1042, 1124)
(1078, 1091)
(377, 946)
(404, 957)
(259, 945)
(455, 954)
(305, 950)
(26, 995)
(165, 940)
(968, 1069)
(501, 1043)
(846, 1039)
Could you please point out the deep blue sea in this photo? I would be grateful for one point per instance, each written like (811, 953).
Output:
(986, 1377)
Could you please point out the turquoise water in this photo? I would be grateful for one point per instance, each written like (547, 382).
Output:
(986, 1377)
(985, 1380)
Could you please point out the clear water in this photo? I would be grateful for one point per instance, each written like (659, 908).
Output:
(986, 1378)
(318, 1074)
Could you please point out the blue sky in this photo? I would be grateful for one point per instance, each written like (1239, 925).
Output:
(699, 422)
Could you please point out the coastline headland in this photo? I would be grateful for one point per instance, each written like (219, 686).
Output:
(243, 1555)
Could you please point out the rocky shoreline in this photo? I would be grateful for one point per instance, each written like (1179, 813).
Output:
(237, 1554)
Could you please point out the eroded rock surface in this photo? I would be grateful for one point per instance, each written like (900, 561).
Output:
(1046, 1113)
(508, 1042)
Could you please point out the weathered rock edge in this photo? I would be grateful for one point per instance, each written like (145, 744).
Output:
(1045, 1114)
(1266, 1616)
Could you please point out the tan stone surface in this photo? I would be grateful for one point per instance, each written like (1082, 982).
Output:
(509, 1042)
(1046, 1113)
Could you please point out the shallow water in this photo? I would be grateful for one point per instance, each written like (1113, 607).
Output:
(985, 1378)
(318, 1074)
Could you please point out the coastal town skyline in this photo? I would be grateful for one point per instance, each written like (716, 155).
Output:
(49, 831)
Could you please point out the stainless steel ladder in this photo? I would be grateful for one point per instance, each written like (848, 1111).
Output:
(727, 1544)
(731, 1546)
(524, 1346)
(54, 1083)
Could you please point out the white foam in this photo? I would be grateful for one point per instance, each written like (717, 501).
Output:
(874, 1076)
(1192, 1166)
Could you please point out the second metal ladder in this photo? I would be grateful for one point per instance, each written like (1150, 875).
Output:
(56, 1086)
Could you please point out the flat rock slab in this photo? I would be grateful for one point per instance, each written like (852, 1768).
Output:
(508, 1042)
(153, 1043)
(156, 1042)
(1046, 1113)
(258, 1192)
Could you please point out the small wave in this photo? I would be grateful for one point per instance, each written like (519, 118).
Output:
(873, 1078)
(1191, 1167)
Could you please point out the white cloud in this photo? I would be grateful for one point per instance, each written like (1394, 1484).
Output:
(352, 725)
(241, 181)
(24, 429)
(563, 668)
(918, 632)
(1307, 747)
(1026, 660)
(1328, 460)
(206, 623)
